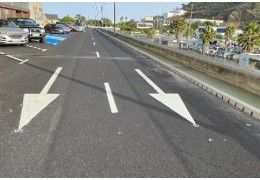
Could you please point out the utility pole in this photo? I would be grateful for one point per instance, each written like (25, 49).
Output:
(114, 18)
(101, 14)
(188, 43)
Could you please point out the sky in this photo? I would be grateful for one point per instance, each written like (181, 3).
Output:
(132, 10)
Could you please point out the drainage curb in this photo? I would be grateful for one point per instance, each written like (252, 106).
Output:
(252, 111)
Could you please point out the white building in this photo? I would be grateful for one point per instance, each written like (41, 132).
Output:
(144, 25)
(177, 12)
(218, 22)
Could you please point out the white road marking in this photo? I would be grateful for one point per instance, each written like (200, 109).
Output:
(156, 88)
(110, 99)
(2, 53)
(24, 61)
(17, 59)
(33, 104)
(43, 50)
(97, 54)
(94, 43)
(172, 101)
(51, 81)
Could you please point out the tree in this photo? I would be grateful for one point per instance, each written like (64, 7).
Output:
(251, 36)
(151, 32)
(126, 19)
(208, 36)
(121, 19)
(67, 19)
(107, 22)
(80, 18)
(180, 28)
(131, 25)
(229, 33)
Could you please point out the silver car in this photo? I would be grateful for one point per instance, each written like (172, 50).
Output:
(79, 27)
(11, 34)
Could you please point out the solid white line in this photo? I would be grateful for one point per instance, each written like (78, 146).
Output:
(24, 61)
(97, 54)
(51, 81)
(149, 81)
(15, 58)
(110, 99)
(94, 43)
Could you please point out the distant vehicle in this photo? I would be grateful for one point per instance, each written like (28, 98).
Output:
(56, 28)
(11, 34)
(79, 27)
(34, 30)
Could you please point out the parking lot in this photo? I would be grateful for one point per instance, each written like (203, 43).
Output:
(19, 53)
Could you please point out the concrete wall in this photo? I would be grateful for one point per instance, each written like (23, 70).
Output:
(243, 80)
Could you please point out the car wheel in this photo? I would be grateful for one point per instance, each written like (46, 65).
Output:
(42, 40)
(30, 40)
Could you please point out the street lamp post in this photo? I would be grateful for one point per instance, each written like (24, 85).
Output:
(114, 18)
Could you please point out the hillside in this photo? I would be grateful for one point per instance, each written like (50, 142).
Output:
(227, 11)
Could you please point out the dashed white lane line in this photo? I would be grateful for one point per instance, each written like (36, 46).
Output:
(37, 48)
(97, 54)
(2, 53)
(17, 59)
(94, 43)
(111, 100)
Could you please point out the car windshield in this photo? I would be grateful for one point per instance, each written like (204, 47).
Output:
(5, 23)
(26, 22)
(78, 24)
(60, 26)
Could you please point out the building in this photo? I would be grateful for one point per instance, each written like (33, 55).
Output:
(144, 25)
(51, 18)
(148, 19)
(10, 10)
(217, 22)
(36, 10)
(177, 12)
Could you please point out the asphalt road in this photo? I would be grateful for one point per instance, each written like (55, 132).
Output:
(84, 132)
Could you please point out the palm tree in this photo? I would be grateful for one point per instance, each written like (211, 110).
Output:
(126, 19)
(151, 32)
(251, 36)
(180, 28)
(208, 36)
(121, 19)
(229, 33)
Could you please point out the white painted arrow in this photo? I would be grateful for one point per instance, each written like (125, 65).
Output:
(173, 101)
(35, 103)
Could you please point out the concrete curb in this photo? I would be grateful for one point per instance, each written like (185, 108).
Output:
(252, 111)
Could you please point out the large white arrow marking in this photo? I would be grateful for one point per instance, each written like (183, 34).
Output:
(35, 103)
(173, 101)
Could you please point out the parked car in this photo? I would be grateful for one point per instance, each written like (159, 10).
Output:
(56, 28)
(11, 34)
(34, 30)
(78, 27)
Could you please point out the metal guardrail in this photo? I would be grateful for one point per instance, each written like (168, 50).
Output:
(226, 62)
